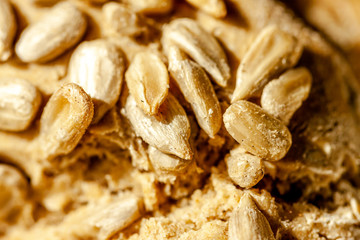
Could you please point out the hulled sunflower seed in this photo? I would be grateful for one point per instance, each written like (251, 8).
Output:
(199, 45)
(148, 81)
(61, 28)
(272, 52)
(163, 162)
(197, 89)
(152, 6)
(110, 218)
(98, 67)
(168, 131)
(245, 169)
(216, 8)
(120, 19)
(248, 223)
(64, 120)
(257, 131)
(19, 103)
(283, 96)
(7, 29)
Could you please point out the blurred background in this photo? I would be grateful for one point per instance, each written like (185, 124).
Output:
(338, 20)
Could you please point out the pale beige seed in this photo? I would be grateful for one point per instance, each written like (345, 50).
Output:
(7, 30)
(248, 223)
(256, 131)
(64, 120)
(61, 28)
(119, 19)
(245, 169)
(166, 163)
(151, 6)
(200, 45)
(216, 8)
(112, 217)
(272, 52)
(283, 96)
(98, 67)
(19, 103)
(197, 89)
(168, 131)
(13, 189)
(148, 81)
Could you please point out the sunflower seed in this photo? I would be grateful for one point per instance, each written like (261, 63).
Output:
(245, 169)
(19, 103)
(197, 89)
(216, 8)
(272, 52)
(163, 162)
(64, 120)
(7, 29)
(61, 28)
(168, 131)
(199, 45)
(283, 96)
(248, 223)
(148, 81)
(257, 131)
(98, 67)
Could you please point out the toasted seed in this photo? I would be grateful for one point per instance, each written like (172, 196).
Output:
(112, 217)
(199, 45)
(13, 188)
(283, 96)
(272, 52)
(19, 103)
(98, 67)
(257, 131)
(148, 81)
(66, 116)
(168, 131)
(152, 6)
(122, 20)
(216, 8)
(245, 169)
(163, 162)
(61, 28)
(197, 89)
(248, 223)
(7, 29)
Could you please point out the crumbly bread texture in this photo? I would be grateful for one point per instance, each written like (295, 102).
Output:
(163, 173)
